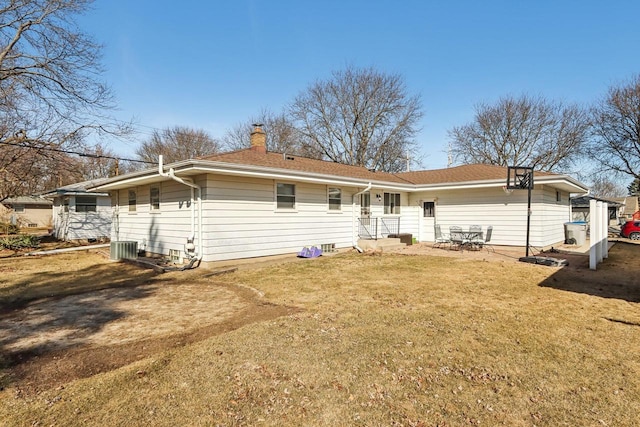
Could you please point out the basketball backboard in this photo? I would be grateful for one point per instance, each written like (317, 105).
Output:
(519, 177)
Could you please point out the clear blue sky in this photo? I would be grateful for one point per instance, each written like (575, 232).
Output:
(214, 64)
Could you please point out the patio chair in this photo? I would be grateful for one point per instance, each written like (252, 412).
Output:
(440, 237)
(476, 231)
(457, 237)
(476, 238)
(484, 243)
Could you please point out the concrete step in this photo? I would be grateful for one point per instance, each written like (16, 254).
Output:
(381, 244)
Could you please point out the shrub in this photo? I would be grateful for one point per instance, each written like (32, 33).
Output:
(20, 241)
(8, 228)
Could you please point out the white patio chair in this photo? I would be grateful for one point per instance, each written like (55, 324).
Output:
(484, 243)
(476, 238)
(440, 237)
(457, 237)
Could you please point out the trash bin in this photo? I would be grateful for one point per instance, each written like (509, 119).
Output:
(575, 233)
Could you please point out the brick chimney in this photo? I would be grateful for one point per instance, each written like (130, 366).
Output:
(258, 139)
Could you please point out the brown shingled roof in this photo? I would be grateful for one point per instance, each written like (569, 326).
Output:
(464, 173)
(302, 164)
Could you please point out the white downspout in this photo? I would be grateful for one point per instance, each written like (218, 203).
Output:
(189, 183)
(354, 242)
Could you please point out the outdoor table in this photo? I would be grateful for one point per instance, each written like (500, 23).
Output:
(467, 238)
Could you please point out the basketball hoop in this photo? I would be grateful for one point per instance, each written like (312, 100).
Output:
(507, 190)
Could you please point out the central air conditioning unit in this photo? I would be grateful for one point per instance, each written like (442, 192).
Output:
(124, 250)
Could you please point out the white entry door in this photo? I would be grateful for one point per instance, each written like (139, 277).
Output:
(428, 221)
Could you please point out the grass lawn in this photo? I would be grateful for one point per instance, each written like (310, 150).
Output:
(387, 340)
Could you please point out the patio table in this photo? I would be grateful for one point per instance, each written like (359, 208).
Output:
(465, 237)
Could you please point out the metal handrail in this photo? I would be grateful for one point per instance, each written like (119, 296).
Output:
(389, 226)
(368, 228)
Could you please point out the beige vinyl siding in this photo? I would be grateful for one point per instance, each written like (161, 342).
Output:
(553, 215)
(506, 213)
(243, 220)
(74, 225)
(157, 231)
(32, 214)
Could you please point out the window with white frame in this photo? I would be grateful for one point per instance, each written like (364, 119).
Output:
(154, 198)
(18, 208)
(335, 199)
(285, 196)
(392, 203)
(133, 201)
(86, 203)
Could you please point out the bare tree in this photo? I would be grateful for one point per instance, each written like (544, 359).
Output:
(282, 136)
(177, 143)
(50, 94)
(602, 186)
(523, 131)
(616, 130)
(101, 162)
(359, 117)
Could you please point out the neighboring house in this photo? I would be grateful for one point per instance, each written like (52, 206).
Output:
(580, 209)
(630, 207)
(27, 211)
(252, 203)
(79, 214)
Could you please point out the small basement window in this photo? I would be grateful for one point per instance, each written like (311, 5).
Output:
(174, 255)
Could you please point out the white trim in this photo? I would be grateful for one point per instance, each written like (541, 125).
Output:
(275, 197)
(333, 211)
(193, 167)
(159, 208)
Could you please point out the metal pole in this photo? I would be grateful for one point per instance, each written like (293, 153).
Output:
(528, 217)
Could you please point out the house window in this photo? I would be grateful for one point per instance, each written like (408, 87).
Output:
(429, 209)
(365, 204)
(18, 208)
(154, 199)
(392, 203)
(132, 201)
(65, 204)
(86, 203)
(558, 196)
(286, 196)
(335, 199)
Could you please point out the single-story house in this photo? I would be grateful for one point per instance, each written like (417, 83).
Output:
(27, 211)
(252, 203)
(629, 208)
(79, 214)
(580, 208)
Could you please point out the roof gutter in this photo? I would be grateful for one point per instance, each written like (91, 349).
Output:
(354, 241)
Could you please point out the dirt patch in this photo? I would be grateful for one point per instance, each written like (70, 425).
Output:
(51, 334)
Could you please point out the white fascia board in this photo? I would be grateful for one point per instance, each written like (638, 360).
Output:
(563, 181)
(459, 186)
(195, 167)
(286, 175)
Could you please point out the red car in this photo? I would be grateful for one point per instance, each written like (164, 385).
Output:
(631, 229)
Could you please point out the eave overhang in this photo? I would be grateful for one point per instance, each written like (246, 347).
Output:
(192, 168)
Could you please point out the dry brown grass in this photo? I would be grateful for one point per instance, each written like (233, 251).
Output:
(390, 340)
